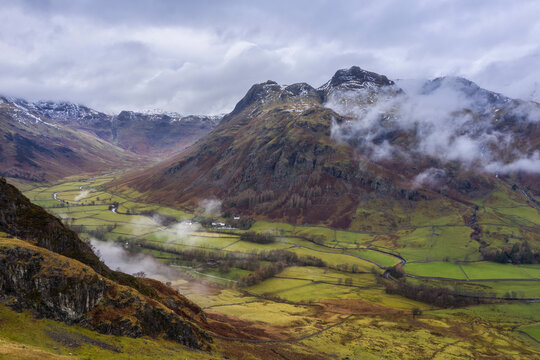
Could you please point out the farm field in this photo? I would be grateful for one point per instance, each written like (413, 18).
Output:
(315, 305)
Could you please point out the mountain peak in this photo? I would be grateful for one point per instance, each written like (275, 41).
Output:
(466, 87)
(270, 91)
(354, 78)
(455, 82)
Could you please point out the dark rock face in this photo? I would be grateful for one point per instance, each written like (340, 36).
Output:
(58, 288)
(356, 76)
(28, 277)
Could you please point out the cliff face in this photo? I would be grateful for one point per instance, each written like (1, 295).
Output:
(47, 269)
(33, 279)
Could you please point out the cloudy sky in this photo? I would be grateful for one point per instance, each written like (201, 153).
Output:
(202, 56)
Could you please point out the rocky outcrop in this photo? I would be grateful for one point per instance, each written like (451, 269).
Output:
(49, 270)
(355, 77)
(56, 287)
(32, 279)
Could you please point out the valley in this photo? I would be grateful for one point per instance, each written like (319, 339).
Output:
(283, 180)
(305, 224)
(294, 312)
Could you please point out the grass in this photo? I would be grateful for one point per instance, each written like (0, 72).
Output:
(515, 289)
(498, 313)
(436, 269)
(532, 270)
(487, 270)
(247, 247)
(325, 275)
(532, 330)
(521, 214)
(24, 337)
(333, 259)
(380, 258)
(232, 274)
(439, 243)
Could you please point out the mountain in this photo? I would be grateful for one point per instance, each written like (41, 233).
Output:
(46, 268)
(45, 140)
(159, 134)
(142, 133)
(357, 145)
(35, 148)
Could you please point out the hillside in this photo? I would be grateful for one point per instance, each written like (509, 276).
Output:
(159, 134)
(35, 149)
(45, 268)
(140, 133)
(359, 144)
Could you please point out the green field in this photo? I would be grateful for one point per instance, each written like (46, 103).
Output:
(532, 330)
(486, 270)
(436, 269)
(302, 300)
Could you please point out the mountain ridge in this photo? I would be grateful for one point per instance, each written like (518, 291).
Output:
(277, 144)
(46, 141)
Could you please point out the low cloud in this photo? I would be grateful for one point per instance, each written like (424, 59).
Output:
(83, 194)
(449, 120)
(117, 258)
(528, 164)
(430, 177)
(180, 233)
(210, 206)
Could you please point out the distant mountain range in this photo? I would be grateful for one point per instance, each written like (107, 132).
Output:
(310, 155)
(45, 140)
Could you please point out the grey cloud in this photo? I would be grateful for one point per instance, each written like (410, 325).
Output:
(201, 57)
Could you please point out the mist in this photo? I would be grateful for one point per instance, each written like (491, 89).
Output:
(83, 194)
(450, 119)
(180, 233)
(117, 258)
(210, 206)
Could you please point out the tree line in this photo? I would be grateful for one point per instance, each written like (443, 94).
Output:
(518, 253)
(254, 237)
(443, 297)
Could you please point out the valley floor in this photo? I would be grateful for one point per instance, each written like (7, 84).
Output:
(337, 311)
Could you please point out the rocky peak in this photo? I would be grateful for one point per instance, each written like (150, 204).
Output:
(356, 78)
(256, 93)
(270, 91)
(467, 88)
(302, 90)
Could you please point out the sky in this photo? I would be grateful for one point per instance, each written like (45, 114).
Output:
(201, 57)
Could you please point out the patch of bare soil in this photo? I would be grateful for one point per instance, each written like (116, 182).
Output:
(355, 306)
